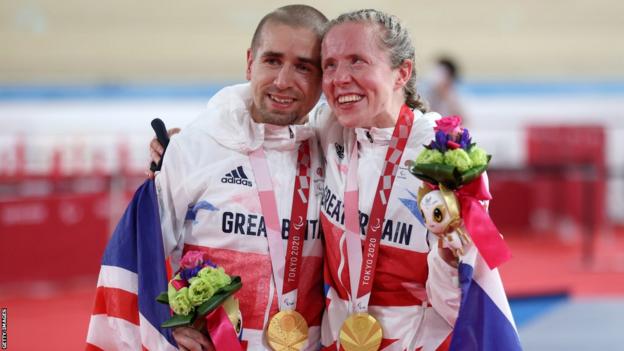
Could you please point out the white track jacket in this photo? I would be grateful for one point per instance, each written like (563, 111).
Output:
(415, 294)
(209, 202)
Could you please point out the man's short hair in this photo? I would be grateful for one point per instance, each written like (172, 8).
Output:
(302, 16)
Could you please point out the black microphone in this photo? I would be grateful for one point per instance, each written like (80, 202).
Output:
(163, 138)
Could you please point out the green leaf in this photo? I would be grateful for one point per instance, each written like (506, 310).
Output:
(451, 177)
(163, 298)
(471, 174)
(234, 285)
(178, 320)
(217, 299)
(435, 173)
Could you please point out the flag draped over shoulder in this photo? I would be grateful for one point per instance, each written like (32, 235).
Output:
(485, 322)
(126, 315)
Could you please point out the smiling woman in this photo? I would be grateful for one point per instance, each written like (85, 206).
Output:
(360, 85)
(403, 291)
(368, 71)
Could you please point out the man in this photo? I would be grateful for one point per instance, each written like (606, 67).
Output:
(209, 183)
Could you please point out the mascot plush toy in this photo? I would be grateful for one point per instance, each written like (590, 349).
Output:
(453, 196)
(440, 210)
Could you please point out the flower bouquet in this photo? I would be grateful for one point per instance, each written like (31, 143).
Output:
(200, 295)
(452, 159)
(452, 197)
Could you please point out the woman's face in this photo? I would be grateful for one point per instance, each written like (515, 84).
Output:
(361, 87)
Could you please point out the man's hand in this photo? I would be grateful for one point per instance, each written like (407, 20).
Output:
(156, 150)
(192, 340)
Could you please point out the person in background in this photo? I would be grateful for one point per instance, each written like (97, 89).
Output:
(441, 92)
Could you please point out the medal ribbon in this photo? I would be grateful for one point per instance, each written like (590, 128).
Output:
(362, 265)
(286, 280)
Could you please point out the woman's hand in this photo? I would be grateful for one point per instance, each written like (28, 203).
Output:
(448, 256)
(192, 340)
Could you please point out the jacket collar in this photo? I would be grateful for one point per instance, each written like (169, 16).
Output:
(379, 136)
(228, 121)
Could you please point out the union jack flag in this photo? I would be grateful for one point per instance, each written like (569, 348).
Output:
(485, 322)
(126, 315)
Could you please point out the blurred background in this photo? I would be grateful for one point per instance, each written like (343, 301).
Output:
(539, 83)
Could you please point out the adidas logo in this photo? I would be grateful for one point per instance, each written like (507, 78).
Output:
(236, 176)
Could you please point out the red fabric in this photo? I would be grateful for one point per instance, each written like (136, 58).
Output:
(446, 344)
(117, 303)
(482, 230)
(91, 347)
(255, 272)
(221, 331)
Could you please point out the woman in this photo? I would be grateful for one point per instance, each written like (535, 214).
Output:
(369, 83)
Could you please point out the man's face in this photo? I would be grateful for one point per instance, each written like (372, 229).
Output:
(285, 74)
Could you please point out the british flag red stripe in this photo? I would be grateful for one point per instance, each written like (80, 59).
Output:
(133, 272)
(117, 303)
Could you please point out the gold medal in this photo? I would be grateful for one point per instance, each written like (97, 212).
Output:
(287, 331)
(361, 332)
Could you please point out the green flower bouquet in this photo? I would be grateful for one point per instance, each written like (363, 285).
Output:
(452, 159)
(198, 288)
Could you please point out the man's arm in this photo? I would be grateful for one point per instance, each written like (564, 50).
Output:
(173, 200)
